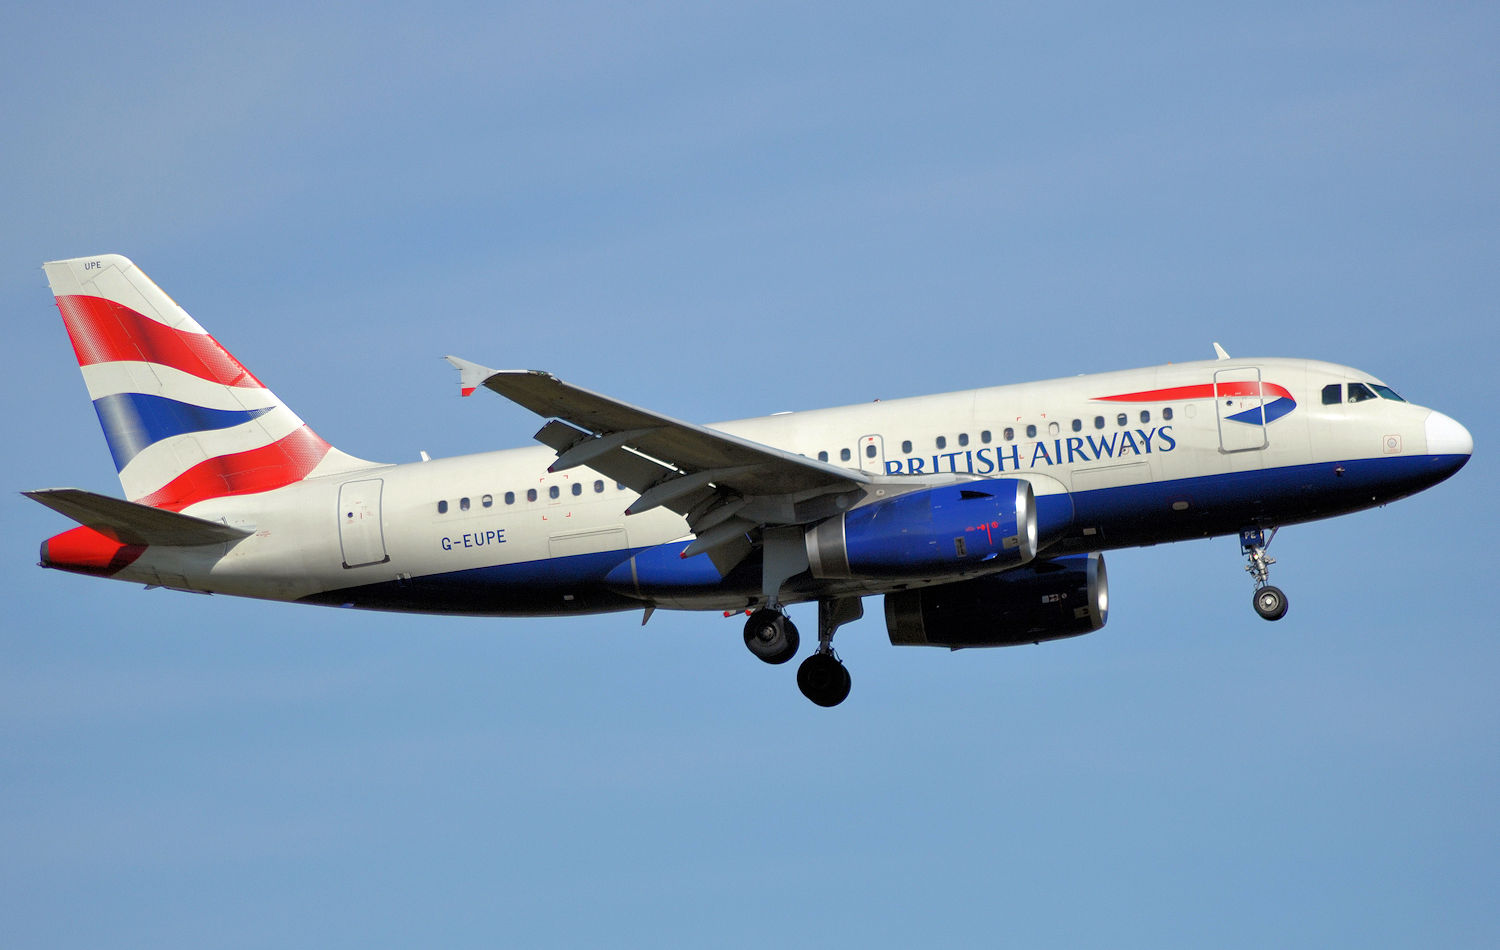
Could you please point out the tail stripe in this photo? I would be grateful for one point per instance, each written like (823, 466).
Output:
(273, 466)
(134, 421)
(103, 331)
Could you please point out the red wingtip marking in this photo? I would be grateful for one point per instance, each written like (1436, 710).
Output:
(466, 390)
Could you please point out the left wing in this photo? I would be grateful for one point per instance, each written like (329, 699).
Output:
(724, 485)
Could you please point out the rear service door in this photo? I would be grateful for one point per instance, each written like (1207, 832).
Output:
(360, 532)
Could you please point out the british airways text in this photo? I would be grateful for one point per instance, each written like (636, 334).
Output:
(1030, 455)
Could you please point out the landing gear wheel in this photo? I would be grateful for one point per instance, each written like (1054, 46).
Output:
(1270, 602)
(823, 679)
(771, 636)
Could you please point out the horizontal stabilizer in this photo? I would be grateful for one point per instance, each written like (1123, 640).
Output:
(130, 523)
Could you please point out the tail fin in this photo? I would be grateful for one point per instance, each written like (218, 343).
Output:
(184, 420)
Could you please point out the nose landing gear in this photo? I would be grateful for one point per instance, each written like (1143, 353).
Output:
(1269, 601)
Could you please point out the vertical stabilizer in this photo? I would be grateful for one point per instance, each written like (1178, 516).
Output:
(185, 422)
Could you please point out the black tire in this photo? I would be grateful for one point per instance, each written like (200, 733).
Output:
(824, 680)
(1270, 603)
(771, 636)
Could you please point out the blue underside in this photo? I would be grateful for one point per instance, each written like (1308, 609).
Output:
(1102, 519)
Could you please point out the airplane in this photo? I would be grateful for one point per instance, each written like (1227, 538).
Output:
(981, 517)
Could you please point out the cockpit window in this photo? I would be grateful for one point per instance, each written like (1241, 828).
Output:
(1333, 394)
(1359, 392)
(1387, 392)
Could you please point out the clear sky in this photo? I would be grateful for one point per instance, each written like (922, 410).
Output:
(720, 214)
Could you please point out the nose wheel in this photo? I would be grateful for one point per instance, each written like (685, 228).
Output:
(1269, 601)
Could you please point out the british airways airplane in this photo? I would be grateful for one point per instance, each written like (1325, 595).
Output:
(979, 516)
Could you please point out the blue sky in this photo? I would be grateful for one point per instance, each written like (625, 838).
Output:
(721, 213)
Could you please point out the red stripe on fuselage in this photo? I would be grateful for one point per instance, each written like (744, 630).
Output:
(1201, 391)
(85, 551)
(103, 331)
(245, 473)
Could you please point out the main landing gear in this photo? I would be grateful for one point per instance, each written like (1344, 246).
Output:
(771, 636)
(1269, 601)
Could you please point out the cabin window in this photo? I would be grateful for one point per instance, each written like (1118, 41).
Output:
(1077, 425)
(906, 447)
(554, 492)
(1122, 420)
(1166, 414)
(442, 507)
(822, 456)
(1359, 392)
(985, 436)
(578, 488)
(1145, 416)
(619, 486)
(599, 486)
(1098, 422)
(510, 498)
(1053, 428)
(1333, 394)
(531, 494)
(1031, 432)
(870, 451)
(1010, 434)
(942, 441)
(463, 504)
(963, 439)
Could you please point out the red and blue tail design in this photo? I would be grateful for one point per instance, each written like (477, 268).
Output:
(185, 422)
(1276, 400)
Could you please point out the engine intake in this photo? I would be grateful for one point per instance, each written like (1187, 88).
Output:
(1045, 600)
(951, 530)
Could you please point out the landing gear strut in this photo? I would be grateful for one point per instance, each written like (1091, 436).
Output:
(1269, 601)
(822, 676)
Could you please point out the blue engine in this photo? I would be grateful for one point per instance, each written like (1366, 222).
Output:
(953, 530)
(1045, 600)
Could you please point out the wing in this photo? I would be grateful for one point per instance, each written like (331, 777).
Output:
(725, 486)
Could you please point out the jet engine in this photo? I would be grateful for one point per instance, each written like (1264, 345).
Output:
(951, 530)
(1044, 600)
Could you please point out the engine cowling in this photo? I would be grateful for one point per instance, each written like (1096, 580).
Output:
(951, 530)
(1045, 600)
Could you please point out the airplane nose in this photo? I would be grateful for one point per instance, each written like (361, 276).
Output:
(1445, 436)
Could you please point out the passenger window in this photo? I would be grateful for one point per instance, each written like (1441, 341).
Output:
(1359, 392)
(510, 498)
(1010, 434)
(1053, 428)
(598, 486)
(870, 451)
(1098, 422)
(942, 441)
(531, 494)
(1146, 416)
(442, 507)
(963, 439)
(619, 486)
(985, 436)
(487, 501)
(844, 455)
(1077, 425)
(1122, 420)
(906, 447)
(822, 456)
(577, 488)
(1333, 394)
(463, 504)
(1166, 414)
(1031, 432)
(554, 492)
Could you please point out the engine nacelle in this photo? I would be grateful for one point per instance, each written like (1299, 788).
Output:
(1045, 600)
(952, 530)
